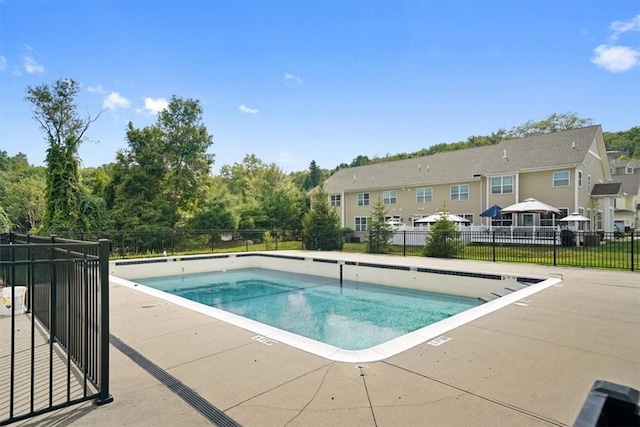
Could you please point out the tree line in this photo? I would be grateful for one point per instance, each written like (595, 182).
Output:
(162, 179)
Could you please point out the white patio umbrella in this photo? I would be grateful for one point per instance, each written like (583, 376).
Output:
(574, 217)
(530, 206)
(435, 217)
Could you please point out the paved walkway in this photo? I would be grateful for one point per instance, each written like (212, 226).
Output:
(522, 365)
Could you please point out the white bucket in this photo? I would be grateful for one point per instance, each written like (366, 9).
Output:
(6, 303)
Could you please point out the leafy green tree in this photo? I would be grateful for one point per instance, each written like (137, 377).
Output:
(554, 123)
(22, 188)
(626, 141)
(160, 179)
(5, 222)
(56, 111)
(380, 231)
(321, 225)
(443, 240)
(269, 198)
(24, 200)
(360, 161)
(215, 216)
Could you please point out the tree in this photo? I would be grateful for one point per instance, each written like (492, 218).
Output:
(269, 198)
(626, 141)
(5, 222)
(159, 180)
(554, 123)
(321, 225)
(443, 240)
(314, 177)
(380, 231)
(55, 110)
(22, 189)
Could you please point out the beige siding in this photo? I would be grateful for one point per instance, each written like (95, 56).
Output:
(539, 185)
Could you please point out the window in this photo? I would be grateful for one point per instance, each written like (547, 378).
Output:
(580, 179)
(561, 179)
(589, 184)
(363, 199)
(502, 185)
(424, 195)
(389, 197)
(550, 220)
(334, 200)
(630, 169)
(504, 220)
(459, 193)
(467, 216)
(361, 223)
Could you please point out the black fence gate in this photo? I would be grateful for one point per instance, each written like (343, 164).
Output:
(54, 324)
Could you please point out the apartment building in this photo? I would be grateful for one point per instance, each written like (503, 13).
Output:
(560, 169)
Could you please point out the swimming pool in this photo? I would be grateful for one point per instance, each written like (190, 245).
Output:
(495, 289)
(349, 315)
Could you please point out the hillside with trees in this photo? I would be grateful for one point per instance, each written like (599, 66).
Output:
(162, 179)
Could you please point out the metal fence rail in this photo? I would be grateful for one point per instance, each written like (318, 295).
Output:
(59, 347)
(562, 248)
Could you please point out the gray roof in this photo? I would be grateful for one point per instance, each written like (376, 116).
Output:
(534, 152)
(630, 183)
(608, 189)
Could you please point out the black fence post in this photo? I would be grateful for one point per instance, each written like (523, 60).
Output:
(103, 253)
(493, 245)
(633, 256)
(555, 237)
(404, 242)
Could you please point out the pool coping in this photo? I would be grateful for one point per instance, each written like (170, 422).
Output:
(373, 354)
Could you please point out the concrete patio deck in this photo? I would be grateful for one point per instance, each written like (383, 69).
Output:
(522, 365)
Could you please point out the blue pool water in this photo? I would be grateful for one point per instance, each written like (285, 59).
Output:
(354, 316)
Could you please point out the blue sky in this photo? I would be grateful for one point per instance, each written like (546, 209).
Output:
(295, 81)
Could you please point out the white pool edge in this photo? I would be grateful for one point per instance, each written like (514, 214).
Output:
(373, 354)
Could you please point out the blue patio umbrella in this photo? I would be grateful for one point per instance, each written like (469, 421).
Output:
(492, 212)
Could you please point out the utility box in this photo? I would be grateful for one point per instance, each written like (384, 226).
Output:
(592, 239)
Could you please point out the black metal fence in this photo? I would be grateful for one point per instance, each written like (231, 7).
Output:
(55, 324)
(559, 248)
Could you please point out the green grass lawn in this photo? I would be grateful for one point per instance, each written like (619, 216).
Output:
(616, 254)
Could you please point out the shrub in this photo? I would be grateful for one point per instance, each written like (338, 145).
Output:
(443, 240)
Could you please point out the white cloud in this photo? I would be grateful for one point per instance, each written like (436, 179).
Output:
(114, 101)
(3, 62)
(620, 27)
(292, 78)
(615, 58)
(29, 64)
(247, 110)
(154, 106)
(97, 89)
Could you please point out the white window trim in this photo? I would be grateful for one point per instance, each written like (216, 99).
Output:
(423, 195)
(367, 199)
(502, 177)
(394, 198)
(366, 223)
(459, 193)
(335, 200)
(568, 179)
(579, 179)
